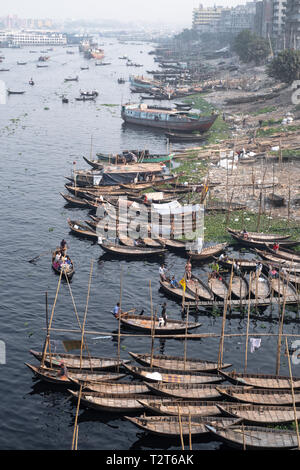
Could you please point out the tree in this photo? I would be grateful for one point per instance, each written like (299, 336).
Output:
(250, 47)
(285, 66)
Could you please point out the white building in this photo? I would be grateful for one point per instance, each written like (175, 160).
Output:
(32, 38)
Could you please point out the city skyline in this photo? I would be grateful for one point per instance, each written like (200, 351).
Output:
(168, 11)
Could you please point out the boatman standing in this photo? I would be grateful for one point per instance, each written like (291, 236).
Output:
(117, 310)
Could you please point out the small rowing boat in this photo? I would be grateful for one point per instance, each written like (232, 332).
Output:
(73, 361)
(185, 390)
(207, 252)
(131, 251)
(259, 414)
(260, 380)
(259, 396)
(162, 375)
(147, 324)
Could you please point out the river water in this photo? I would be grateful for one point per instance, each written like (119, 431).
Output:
(40, 140)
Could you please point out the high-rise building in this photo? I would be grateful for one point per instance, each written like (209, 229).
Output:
(278, 23)
(204, 19)
(292, 24)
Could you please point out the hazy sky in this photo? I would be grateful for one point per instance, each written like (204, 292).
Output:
(162, 11)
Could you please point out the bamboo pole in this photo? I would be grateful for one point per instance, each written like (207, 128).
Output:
(180, 427)
(85, 313)
(119, 319)
(186, 331)
(153, 337)
(76, 417)
(293, 395)
(221, 344)
(190, 432)
(47, 341)
(247, 330)
(280, 329)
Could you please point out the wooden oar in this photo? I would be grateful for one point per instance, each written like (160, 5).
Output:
(37, 257)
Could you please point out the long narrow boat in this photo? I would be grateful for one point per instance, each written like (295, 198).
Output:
(176, 363)
(184, 407)
(171, 426)
(197, 288)
(289, 255)
(73, 361)
(255, 243)
(277, 261)
(219, 287)
(242, 263)
(74, 201)
(52, 375)
(259, 396)
(82, 230)
(163, 375)
(254, 438)
(146, 323)
(288, 277)
(185, 390)
(114, 388)
(128, 251)
(282, 288)
(265, 237)
(113, 403)
(239, 287)
(259, 414)
(260, 286)
(156, 182)
(176, 292)
(67, 268)
(207, 252)
(174, 245)
(260, 380)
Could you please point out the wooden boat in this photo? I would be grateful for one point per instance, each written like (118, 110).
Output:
(289, 255)
(259, 396)
(207, 252)
(239, 287)
(259, 414)
(145, 324)
(71, 79)
(185, 407)
(51, 375)
(22, 63)
(288, 277)
(40, 66)
(176, 363)
(260, 287)
(174, 245)
(93, 163)
(10, 92)
(219, 287)
(176, 293)
(113, 403)
(86, 98)
(177, 137)
(198, 289)
(281, 287)
(82, 230)
(163, 375)
(223, 206)
(260, 380)
(242, 263)
(265, 237)
(133, 251)
(73, 361)
(74, 201)
(276, 200)
(276, 261)
(170, 426)
(254, 438)
(67, 268)
(254, 243)
(114, 388)
(185, 390)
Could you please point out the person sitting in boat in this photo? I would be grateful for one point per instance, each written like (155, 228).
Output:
(117, 310)
(162, 273)
(273, 274)
(236, 269)
(275, 247)
(174, 283)
(245, 234)
(223, 257)
(215, 269)
(62, 372)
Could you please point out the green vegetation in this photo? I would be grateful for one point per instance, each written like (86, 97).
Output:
(215, 225)
(220, 129)
(193, 169)
(275, 130)
(267, 109)
(250, 47)
(285, 66)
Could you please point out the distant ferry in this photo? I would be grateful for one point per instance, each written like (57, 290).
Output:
(166, 118)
